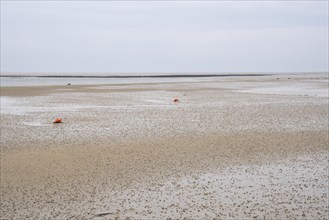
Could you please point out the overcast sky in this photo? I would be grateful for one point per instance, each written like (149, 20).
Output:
(157, 36)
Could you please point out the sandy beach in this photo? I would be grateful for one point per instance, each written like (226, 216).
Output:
(231, 148)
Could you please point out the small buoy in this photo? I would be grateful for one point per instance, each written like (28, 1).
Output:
(175, 100)
(58, 120)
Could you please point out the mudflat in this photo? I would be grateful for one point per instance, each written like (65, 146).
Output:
(232, 147)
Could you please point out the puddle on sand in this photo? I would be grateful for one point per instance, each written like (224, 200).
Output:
(35, 124)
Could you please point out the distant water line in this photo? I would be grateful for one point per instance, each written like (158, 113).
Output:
(134, 76)
(47, 80)
(50, 81)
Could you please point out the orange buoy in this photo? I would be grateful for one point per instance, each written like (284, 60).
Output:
(175, 100)
(58, 120)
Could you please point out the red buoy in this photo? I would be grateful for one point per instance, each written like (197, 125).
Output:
(58, 120)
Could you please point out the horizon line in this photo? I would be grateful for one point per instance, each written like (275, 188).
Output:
(6, 73)
(133, 76)
(154, 75)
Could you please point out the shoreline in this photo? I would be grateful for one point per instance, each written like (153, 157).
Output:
(136, 76)
(150, 74)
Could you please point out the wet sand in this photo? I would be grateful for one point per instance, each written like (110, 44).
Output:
(232, 148)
